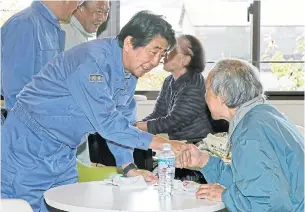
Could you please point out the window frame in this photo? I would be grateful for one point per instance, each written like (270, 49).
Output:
(255, 12)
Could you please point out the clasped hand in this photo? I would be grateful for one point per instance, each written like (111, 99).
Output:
(191, 156)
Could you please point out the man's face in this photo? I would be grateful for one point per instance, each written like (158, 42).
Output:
(141, 60)
(93, 14)
(214, 102)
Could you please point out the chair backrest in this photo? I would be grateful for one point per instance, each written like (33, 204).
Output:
(91, 173)
(301, 129)
(138, 97)
(15, 205)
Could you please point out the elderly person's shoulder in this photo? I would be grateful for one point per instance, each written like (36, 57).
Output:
(261, 121)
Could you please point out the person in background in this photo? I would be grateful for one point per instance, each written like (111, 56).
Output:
(267, 168)
(29, 40)
(85, 21)
(86, 89)
(180, 110)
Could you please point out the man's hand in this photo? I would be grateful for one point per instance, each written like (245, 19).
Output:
(191, 156)
(157, 144)
(177, 146)
(142, 126)
(210, 191)
(147, 175)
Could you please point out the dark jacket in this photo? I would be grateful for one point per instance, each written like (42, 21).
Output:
(181, 110)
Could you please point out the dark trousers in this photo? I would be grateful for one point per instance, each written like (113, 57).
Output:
(100, 153)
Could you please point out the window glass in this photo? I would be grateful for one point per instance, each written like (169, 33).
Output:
(10, 7)
(282, 42)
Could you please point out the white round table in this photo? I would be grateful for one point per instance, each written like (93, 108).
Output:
(93, 196)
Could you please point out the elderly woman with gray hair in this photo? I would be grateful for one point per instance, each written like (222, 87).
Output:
(267, 168)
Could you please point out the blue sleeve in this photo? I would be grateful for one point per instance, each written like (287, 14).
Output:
(124, 155)
(18, 58)
(96, 101)
(216, 171)
(259, 184)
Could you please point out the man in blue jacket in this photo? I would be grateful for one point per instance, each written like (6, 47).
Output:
(29, 40)
(86, 89)
(267, 168)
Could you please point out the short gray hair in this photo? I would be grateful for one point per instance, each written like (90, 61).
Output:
(235, 82)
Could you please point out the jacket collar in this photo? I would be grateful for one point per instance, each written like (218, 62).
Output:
(45, 12)
(182, 80)
(121, 75)
(242, 111)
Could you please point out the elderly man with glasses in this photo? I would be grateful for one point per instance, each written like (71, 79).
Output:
(85, 22)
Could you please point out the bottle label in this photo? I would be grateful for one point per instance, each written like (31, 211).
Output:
(167, 164)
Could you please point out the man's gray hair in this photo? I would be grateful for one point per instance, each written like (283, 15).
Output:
(235, 82)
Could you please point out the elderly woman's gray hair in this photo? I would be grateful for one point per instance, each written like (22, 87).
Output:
(235, 82)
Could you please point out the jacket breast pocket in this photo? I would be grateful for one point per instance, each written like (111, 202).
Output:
(122, 98)
(47, 50)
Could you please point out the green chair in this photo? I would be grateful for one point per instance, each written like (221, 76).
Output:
(91, 173)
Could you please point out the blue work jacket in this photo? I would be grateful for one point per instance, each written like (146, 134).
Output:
(29, 40)
(267, 169)
(86, 89)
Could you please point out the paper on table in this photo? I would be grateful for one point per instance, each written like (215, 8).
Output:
(127, 182)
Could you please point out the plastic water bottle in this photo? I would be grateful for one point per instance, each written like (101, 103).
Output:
(166, 170)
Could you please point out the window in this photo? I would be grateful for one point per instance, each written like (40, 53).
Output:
(224, 31)
(10, 7)
(282, 45)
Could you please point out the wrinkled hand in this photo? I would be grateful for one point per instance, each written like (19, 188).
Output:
(191, 156)
(147, 175)
(177, 146)
(210, 191)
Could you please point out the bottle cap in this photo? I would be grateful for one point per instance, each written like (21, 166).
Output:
(166, 146)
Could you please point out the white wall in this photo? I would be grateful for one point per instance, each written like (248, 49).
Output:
(294, 109)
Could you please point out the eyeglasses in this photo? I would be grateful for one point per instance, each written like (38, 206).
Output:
(98, 12)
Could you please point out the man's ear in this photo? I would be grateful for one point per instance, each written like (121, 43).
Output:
(127, 46)
(220, 100)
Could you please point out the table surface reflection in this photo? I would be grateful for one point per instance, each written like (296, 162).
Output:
(93, 196)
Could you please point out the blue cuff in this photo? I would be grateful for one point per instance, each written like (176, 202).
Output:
(225, 197)
(144, 140)
(210, 165)
(124, 158)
